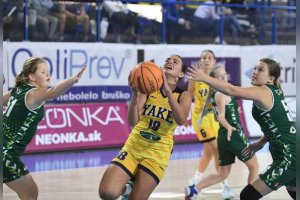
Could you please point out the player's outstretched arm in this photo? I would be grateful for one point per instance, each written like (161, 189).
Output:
(37, 96)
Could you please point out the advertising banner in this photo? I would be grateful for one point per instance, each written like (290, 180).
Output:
(69, 127)
(108, 67)
(106, 78)
(87, 126)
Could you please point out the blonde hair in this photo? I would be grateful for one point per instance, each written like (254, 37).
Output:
(213, 71)
(29, 67)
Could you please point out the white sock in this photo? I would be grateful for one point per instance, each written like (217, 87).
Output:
(128, 189)
(198, 174)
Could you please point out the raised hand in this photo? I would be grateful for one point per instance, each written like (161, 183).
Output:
(165, 85)
(195, 73)
(130, 84)
(79, 74)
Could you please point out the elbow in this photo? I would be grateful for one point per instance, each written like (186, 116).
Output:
(132, 122)
(181, 121)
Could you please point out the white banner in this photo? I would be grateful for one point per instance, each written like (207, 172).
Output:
(5, 67)
(284, 54)
(108, 64)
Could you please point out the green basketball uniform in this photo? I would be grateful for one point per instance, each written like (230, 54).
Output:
(278, 128)
(19, 126)
(228, 150)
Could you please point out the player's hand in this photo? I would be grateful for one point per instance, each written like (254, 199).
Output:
(165, 85)
(79, 74)
(130, 84)
(251, 148)
(229, 132)
(195, 73)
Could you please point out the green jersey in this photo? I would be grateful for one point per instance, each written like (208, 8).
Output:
(19, 122)
(277, 126)
(231, 114)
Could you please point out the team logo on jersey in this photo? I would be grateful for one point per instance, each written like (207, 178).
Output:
(149, 136)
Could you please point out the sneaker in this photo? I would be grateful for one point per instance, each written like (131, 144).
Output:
(217, 40)
(126, 196)
(227, 193)
(190, 192)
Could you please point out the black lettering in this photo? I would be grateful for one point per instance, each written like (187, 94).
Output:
(160, 112)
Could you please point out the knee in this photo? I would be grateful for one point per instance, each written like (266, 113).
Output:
(86, 18)
(252, 165)
(31, 194)
(107, 194)
(35, 194)
(62, 17)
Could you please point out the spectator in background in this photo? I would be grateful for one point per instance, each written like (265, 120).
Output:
(176, 25)
(189, 9)
(231, 23)
(118, 13)
(48, 21)
(13, 20)
(207, 18)
(247, 17)
(79, 16)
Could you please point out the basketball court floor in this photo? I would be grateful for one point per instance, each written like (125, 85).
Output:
(76, 175)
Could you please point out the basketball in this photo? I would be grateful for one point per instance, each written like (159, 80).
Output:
(147, 77)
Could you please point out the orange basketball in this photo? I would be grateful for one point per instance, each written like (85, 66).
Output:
(147, 77)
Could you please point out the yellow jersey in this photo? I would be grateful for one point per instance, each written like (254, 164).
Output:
(201, 92)
(152, 137)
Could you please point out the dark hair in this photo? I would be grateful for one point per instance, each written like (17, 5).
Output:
(183, 63)
(274, 70)
(29, 67)
(210, 51)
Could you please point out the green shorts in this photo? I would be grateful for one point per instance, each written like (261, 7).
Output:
(228, 150)
(13, 168)
(279, 173)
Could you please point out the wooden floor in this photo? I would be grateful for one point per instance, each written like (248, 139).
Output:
(82, 184)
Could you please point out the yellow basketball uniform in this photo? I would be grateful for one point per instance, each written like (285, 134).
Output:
(207, 130)
(150, 143)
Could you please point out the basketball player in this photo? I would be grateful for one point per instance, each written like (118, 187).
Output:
(231, 139)
(147, 151)
(272, 114)
(25, 108)
(204, 123)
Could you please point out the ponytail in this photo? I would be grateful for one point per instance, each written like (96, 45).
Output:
(20, 80)
(278, 84)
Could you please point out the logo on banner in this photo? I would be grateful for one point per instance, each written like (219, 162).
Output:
(64, 63)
